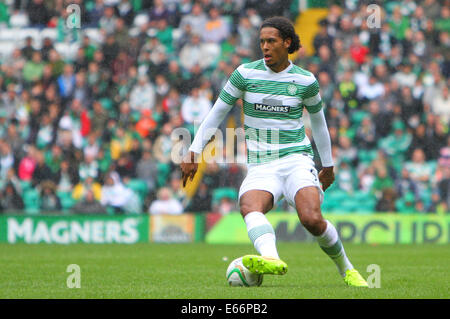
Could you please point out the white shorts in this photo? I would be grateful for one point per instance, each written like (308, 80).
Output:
(282, 177)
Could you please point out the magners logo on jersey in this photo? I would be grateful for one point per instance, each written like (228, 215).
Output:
(271, 108)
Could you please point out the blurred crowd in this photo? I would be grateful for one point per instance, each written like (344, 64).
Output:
(90, 131)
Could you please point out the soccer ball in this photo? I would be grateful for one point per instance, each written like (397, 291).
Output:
(238, 275)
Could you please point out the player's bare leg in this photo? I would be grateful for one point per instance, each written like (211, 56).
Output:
(307, 203)
(253, 205)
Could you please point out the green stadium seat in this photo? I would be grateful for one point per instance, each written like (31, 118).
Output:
(163, 173)
(367, 156)
(67, 201)
(349, 205)
(32, 201)
(336, 195)
(358, 116)
(139, 186)
(224, 192)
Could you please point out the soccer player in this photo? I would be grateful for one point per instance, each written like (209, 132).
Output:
(279, 154)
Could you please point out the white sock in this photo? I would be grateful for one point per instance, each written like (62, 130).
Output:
(331, 244)
(261, 233)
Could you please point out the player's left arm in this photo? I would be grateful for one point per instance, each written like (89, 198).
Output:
(321, 136)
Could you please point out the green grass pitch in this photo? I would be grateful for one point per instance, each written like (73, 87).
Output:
(194, 271)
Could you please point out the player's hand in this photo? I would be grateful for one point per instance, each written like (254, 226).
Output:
(326, 177)
(188, 167)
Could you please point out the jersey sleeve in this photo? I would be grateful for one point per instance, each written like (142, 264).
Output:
(233, 89)
(311, 99)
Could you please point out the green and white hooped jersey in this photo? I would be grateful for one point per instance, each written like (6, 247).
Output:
(273, 108)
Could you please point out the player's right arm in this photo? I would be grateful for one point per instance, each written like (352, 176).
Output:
(319, 129)
(232, 91)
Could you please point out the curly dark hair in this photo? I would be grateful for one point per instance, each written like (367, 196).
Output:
(286, 29)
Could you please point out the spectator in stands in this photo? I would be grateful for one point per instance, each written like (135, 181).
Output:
(162, 147)
(365, 137)
(201, 201)
(147, 170)
(110, 50)
(420, 170)
(165, 204)
(50, 202)
(10, 101)
(406, 204)
(6, 159)
(96, 13)
(157, 13)
(379, 88)
(405, 184)
(89, 205)
(34, 69)
(322, 37)
(66, 82)
(346, 177)
(108, 20)
(387, 201)
(441, 105)
(372, 90)
(443, 180)
(246, 38)
(195, 107)
(41, 172)
(196, 19)
(126, 12)
(10, 199)
(66, 177)
(142, 96)
(47, 46)
(358, 51)
(15, 140)
(397, 143)
(197, 53)
(88, 167)
(56, 63)
(121, 33)
(226, 205)
(99, 117)
(38, 13)
(115, 194)
(216, 27)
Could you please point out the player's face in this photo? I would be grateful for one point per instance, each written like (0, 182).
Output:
(273, 47)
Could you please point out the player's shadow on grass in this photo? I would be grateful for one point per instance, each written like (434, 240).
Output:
(301, 285)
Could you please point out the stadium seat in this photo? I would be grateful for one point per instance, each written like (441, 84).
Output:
(163, 173)
(22, 34)
(19, 20)
(68, 51)
(51, 33)
(32, 201)
(94, 35)
(366, 156)
(8, 34)
(224, 192)
(358, 116)
(140, 187)
(335, 195)
(67, 200)
(6, 48)
(348, 206)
